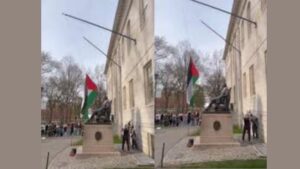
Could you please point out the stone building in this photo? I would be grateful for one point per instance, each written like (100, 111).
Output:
(129, 70)
(246, 62)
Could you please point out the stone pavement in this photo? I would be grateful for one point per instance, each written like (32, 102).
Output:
(170, 136)
(181, 154)
(125, 160)
(54, 145)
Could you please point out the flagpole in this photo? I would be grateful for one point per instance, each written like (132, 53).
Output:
(224, 11)
(99, 26)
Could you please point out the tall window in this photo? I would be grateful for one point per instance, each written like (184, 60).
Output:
(142, 10)
(128, 34)
(122, 50)
(131, 93)
(249, 17)
(245, 84)
(148, 82)
(266, 61)
(242, 34)
(124, 98)
(263, 4)
(252, 80)
(233, 94)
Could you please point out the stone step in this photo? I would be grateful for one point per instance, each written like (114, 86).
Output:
(261, 150)
(143, 160)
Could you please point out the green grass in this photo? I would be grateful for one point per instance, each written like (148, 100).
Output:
(237, 129)
(117, 139)
(196, 133)
(77, 143)
(258, 163)
(138, 167)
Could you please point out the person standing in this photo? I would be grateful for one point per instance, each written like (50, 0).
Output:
(134, 140)
(189, 118)
(254, 121)
(246, 127)
(125, 139)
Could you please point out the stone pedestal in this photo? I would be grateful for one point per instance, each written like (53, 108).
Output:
(98, 140)
(217, 129)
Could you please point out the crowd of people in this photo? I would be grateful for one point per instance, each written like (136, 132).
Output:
(250, 123)
(129, 137)
(59, 130)
(178, 119)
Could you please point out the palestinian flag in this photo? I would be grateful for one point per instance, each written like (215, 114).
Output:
(192, 77)
(90, 93)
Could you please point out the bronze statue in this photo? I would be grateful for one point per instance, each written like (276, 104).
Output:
(221, 102)
(102, 115)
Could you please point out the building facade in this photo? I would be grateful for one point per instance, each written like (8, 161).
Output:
(246, 61)
(130, 70)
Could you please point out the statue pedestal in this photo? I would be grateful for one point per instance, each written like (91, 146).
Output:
(217, 129)
(98, 140)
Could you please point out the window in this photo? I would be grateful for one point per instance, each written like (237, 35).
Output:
(245, 84)
(266, 61)
(148, 82)
(233, 94)
(128, 34)
(249, 17)
(131, 94)
(242, 34)
(263, 4)
(142, 10)
(124, 98)
(252, 80)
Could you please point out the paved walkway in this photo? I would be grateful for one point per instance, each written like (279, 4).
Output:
(54, 145)
(181, 154)
(170, 136)
(60, 148)
(125, 160)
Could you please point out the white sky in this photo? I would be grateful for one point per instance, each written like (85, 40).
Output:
(62, 36)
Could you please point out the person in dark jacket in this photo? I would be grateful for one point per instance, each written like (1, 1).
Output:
(126, 137)
(246, 127)
(254, 121)
(134, 140)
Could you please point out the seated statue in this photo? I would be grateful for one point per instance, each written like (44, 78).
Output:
(221, 102)
(102, 115)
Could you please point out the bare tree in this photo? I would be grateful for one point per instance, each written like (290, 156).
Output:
(215, 78)
(70, 79)
(162, 48)
(100, 80)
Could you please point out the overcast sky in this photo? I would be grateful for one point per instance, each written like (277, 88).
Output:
(62, 36)
(176, 20)
(179, 20)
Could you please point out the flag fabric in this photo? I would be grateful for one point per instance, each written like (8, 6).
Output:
(192, 77)
(90, 93)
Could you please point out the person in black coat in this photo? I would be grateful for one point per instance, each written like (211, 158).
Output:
(126, 138)
(246, 127)
(254, 121)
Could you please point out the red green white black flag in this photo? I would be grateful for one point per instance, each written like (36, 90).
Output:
(90, 93)
(192, 77)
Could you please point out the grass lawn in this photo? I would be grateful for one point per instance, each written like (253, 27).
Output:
(117, 139)
(77, 143)
(237, 129)
(142, 167)
(258, 163)
(196, 133)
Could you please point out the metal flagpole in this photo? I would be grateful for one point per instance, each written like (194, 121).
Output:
(220, 36)
(224, 11)
(227, 42)
(101, 51)
(119, 66)
(99, 26)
